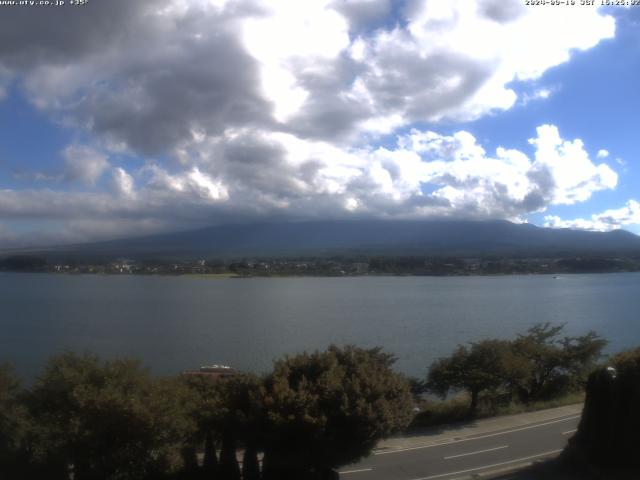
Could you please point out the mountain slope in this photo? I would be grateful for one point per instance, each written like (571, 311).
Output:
(366, 237)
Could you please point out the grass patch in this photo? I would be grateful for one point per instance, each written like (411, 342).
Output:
(435, 412)
(456, 409)
(568, 399)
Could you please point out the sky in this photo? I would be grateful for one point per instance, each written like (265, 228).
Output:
(122, 118)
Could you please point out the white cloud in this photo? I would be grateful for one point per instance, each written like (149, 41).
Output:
(261, 107)
(251, 174)
(84, 164)
(608, 220)
(122, 184)
(569, 167)
(538, 94)
(455, 59)
(603, 153)
(322, 69)
(193, 183)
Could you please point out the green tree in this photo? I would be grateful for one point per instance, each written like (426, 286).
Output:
(330, 408)
(108, 420)
(206, 412)
(554, 364)
(485, 365)
(229, 414)
(582, 354)
(627, 360)
(14, 426)
(537, 365)
(242, 422)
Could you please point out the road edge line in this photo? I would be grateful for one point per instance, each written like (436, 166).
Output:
(479, 436)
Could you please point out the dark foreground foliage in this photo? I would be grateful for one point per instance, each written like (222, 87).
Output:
(92, 420)
(88, 419)
(606, 443)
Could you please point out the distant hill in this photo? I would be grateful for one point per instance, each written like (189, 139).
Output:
(366, 237)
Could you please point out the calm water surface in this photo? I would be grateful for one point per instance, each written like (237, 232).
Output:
(173, 323)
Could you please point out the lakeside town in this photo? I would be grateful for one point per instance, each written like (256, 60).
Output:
(329, 266)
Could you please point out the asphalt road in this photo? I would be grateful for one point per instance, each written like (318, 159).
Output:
(467, 455)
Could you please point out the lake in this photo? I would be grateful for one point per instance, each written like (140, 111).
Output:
(175, 323)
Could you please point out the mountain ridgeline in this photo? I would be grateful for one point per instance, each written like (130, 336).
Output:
(363, 237)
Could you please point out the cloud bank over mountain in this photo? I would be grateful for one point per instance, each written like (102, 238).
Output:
(207, 111)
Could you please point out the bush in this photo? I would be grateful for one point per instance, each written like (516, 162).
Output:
(328, 409)
(107, 420)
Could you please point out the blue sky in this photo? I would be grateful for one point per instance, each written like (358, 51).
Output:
(124, 118)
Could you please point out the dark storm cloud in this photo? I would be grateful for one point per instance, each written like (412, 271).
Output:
(143, 77)
(205, 85)
(31, 36)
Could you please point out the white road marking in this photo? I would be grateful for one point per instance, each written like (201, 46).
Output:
(449, 442)
(569, 432)
(523, 459)
(355, 471)
(475, 453)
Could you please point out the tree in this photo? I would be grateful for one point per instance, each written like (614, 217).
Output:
(539, 364)
(108, 420)
(626, 361)
(485, 365)
(242, 421)
(581, 356)
(205, 411)
(228, 411)
(23, 263)
(330, 408)
(14, 426)
(555, 364)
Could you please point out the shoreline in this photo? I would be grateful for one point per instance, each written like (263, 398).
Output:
(224, 276)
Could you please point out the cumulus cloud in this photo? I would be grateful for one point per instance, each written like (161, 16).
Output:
(454, 60)
(611, 219)
(192, 183)
(81, 163)
(425, 174)
(567, 168)
(84, 164)
(122, 184)
(170, 68)
(246, 108)
(603, 153)
(320, 69)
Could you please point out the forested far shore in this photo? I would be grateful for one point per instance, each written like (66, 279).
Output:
(86, 418)
(328, 266)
